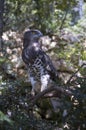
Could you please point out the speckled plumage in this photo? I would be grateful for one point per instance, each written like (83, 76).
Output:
(40, 67)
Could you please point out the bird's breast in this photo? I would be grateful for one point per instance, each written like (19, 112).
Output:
(37, 69)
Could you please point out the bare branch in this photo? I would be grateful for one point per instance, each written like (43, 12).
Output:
(46, 93)
(75, 73)
(65, 15)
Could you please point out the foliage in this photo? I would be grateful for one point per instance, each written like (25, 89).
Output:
(45, 15)
(4, 117)
(67, 47)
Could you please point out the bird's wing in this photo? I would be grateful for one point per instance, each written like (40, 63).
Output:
(48, 64)
(29, 55)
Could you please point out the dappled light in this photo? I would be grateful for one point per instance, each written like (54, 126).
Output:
(63, 105)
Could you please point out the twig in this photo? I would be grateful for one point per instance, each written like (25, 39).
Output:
(65, 15)
(75, 73)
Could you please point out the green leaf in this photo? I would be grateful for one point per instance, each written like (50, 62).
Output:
(3, 117)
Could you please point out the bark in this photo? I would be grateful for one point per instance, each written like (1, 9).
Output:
(1, 23)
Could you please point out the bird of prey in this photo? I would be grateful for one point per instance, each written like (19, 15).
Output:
(40, 67)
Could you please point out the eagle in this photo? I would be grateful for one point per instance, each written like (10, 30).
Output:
(41, 70)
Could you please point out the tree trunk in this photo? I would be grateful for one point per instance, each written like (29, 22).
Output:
(1, 23)
(77, 12)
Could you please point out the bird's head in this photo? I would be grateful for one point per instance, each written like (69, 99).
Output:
(31, 37)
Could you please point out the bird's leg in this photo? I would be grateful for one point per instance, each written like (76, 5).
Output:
(33, 83)
(44, 81)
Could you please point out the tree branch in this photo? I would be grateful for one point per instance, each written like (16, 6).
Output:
(47, 94)
(75, 73)
(65, 15)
